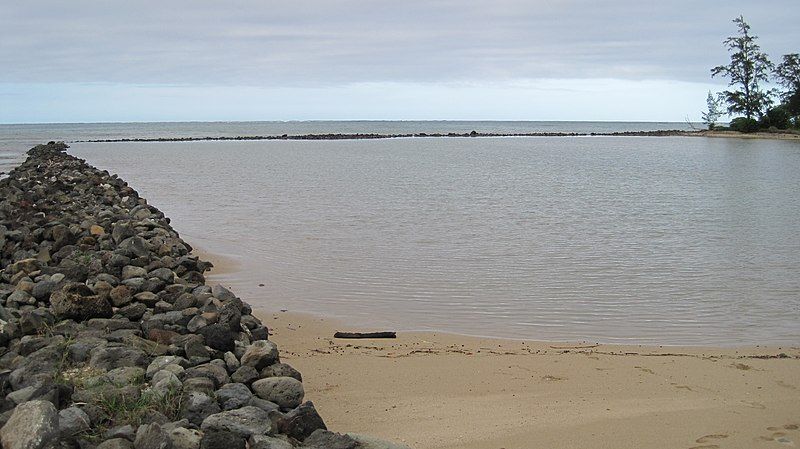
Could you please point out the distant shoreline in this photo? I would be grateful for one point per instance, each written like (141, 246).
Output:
(368, 136)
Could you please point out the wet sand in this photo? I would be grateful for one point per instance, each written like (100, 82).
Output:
(434, 390)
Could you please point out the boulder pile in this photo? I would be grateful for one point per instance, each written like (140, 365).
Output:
(110, 338)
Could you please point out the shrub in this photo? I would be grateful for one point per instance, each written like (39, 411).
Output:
(744, 125)
(777, 117)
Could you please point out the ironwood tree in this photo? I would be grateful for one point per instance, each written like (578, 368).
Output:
(748, 68)
(788, 76)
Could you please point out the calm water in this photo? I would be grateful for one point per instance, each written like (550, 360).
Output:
(648, 240)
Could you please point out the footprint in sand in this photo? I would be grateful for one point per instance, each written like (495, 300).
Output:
(778, 435)
(705, 446)
(710, 438)
(741, 366)
(757, 405)
(646, 370)
(785, 385)
(550, 378)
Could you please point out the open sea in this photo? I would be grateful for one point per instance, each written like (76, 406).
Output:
(651, 240)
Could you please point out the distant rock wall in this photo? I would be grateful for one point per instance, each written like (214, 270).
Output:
(110, 338)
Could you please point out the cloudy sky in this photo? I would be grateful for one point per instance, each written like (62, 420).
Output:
(77, 60)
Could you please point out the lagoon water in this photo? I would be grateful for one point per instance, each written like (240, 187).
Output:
(669, 240)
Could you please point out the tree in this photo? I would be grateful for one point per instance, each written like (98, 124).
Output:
(748, 67)
(714, 111)
(788, 75)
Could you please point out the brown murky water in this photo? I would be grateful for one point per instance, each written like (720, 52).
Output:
(651, 240)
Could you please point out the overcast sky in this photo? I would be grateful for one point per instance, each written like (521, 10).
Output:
(72, 61)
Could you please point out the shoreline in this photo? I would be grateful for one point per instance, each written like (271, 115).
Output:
(372, 136)
(442, 390)
(225, 270)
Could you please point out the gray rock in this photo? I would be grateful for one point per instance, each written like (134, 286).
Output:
(32, 343)
(121, 231)
(120, 295)
(41, 390)
(244, 422)
(196, 350)
(118, 261)
(148, 298)
(183, 438)
(134, 247)
(165, 383)
(162, 306)
(21, 297)
(133, 311)
(281, 370)
(127, 432)
(260, 354)
(115, 443)
(42, 290)
(323, 439)
(72, 421)
(161, 362)
(199, 384)
(231, 362)
(245, 375)
(268, 442)
(218, 337)
(368, 442)
(264, 404)
(222, 293)
(111, 325)
(151, 436)
(233, 395)
(125, 375)
(212, 371)
(198, 406)
(79, 351)
(25, 265)
(164, 274)
(33, 425)
(222, 440)
(231, 316)
(134, 284)
(287, 392)
(185, 301)
(196, 323)
(78, 302)
(301, 422)
(130, 271)
(111, 357)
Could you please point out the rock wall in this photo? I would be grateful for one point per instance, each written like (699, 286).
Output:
(110, 338)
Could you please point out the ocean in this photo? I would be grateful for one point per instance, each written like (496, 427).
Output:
(646, 240)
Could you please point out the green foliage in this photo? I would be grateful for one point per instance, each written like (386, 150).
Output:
(121, 410)
(744, 124)
(793, 105)
(777, 117)
(713, 111)
(749, 66)
(787, 74)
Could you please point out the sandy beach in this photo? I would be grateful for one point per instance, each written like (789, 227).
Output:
(434, 390)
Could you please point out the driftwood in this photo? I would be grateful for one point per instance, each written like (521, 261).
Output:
(365, 335)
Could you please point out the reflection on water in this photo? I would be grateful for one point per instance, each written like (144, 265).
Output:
(650, 240)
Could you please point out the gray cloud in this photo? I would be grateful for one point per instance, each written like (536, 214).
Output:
(312, 43)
